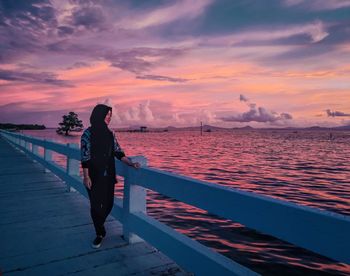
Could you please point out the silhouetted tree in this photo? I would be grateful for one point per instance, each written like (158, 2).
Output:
(70, 122)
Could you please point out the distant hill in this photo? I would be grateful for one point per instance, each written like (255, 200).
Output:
(245, 127)
(327, 128)
(342, 127)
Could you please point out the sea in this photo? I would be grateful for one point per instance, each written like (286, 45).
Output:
(306, 167)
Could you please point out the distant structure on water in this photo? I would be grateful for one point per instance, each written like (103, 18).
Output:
(143, 129)
(138, 129)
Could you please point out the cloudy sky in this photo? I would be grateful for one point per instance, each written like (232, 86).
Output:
(176, 62)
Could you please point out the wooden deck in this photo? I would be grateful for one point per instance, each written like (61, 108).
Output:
(48, 231)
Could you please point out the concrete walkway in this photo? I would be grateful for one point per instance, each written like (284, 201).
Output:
(48, 231)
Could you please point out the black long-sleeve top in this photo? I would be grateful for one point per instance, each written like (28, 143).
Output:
(85, 148)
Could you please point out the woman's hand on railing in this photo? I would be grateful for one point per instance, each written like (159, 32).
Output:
(135, 165)
(128, 161)
(87, 182)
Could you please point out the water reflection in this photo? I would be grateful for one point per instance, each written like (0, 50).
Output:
(304, 167)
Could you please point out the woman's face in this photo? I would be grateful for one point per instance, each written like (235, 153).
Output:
(108, 117)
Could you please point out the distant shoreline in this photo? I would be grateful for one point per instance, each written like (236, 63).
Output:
(9, 126)
(208, 128)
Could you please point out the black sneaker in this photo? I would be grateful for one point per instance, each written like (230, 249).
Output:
(97, 242)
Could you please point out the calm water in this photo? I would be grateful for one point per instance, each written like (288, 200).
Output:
(304, 167)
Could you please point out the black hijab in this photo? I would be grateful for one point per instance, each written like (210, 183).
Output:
(101, 136)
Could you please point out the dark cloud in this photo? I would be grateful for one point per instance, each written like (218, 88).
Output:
(135, 60)
(66, 46)
(219, 19)
(15, 45)
(259, 114)
(143, 5)
(31, 27)
(338, 34)
(336, 113)
(30, 77)
(79, 64)
(24, 25)
(88, 2)
(256, 114)
(292, 40)
(286, 116)
(41, 9)
(90, 17)
(131, 63)
(274, 15)
(242, 98)
(161, 78)
(65, 30)
(26, 66)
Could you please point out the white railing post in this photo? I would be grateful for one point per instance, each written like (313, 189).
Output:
(134, 200)
(27, 145)
(47, 154)
(72, 165)
(19, 140)
(35, 149)
(22, 142)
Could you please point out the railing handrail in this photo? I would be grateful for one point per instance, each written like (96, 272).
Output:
(321, 231)
(49, 144)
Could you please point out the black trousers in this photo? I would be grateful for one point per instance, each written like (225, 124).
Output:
(101, 198)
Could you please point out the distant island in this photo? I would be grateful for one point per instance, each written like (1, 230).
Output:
(15, 127)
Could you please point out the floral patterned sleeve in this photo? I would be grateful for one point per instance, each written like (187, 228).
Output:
(85, 146)
(118, 152)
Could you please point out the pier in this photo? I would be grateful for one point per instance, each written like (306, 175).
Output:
(47, 230)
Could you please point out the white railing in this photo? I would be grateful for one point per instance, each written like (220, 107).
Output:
(322, 232)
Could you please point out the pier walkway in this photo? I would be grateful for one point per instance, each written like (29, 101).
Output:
(46, 228)
(47, 231)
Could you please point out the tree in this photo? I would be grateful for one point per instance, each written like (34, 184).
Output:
(70, 123)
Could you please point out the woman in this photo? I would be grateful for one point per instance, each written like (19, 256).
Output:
(99, 146)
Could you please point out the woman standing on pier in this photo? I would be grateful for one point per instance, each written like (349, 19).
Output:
(99, 146)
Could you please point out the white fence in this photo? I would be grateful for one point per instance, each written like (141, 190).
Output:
(322, 232)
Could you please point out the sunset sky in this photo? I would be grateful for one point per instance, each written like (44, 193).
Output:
(227, 63)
